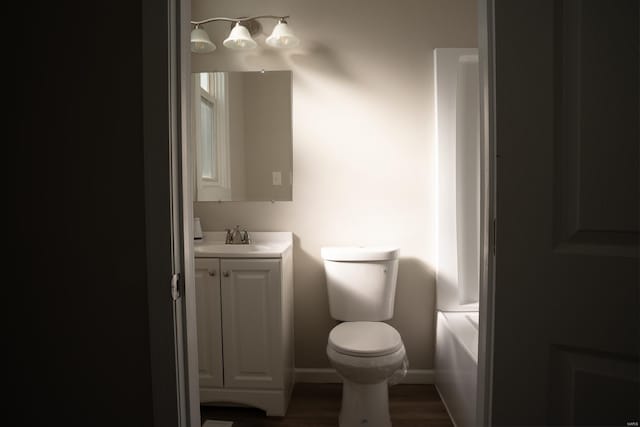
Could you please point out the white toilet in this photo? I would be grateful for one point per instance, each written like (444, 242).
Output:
(366, 352)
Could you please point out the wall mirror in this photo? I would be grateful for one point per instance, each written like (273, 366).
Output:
(241, 136)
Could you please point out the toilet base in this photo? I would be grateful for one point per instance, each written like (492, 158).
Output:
(364, 405)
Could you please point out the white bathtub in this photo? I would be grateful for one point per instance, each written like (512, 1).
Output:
(456, 364)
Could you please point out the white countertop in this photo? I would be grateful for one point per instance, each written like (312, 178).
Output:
(264, 244)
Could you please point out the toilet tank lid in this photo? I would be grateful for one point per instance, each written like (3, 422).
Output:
(359, 253)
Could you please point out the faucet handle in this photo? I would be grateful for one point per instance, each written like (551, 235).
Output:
(246, 239)
(228, 237)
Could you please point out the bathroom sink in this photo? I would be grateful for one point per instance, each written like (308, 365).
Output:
(265, 245)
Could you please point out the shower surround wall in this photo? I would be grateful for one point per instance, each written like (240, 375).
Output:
(364, 153)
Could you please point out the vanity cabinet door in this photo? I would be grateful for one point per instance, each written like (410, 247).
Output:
(208, 322)
(251, 322)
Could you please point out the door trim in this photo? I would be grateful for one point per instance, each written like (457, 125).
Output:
(486, 48)
(182, 60)
(163, 34)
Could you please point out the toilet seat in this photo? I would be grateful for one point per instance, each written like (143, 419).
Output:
(364, 339)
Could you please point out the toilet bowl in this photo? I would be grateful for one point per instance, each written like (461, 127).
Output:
(368, 356)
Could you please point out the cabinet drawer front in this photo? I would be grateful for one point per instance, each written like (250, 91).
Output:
(251, 323)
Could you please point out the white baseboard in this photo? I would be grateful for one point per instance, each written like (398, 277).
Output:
(329, 375)
(419, 376)
(317, 375)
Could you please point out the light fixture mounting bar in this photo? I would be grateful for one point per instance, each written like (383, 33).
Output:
(222, 18)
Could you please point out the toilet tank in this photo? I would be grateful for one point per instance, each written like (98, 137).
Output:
(361, 282)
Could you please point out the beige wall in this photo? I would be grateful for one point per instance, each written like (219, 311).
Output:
(364, 155)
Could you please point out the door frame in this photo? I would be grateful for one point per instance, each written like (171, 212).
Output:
(486, 50)
(169, 237)
(183, 21)
(166, 76)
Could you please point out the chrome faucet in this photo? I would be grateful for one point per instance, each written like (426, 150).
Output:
(237, 237)
(246, 239)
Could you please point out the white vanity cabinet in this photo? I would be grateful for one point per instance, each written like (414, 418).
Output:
(245, 331)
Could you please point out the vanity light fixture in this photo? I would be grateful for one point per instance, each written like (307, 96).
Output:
(282, 36)
(240, 36)
(200, 41)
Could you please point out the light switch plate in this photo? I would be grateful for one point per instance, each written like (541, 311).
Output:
(277, 178)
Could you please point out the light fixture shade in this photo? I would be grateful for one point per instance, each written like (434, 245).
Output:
(239, 38)
(200, 41)
(282, 37)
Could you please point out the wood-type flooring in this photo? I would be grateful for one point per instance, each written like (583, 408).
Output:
(318, 405)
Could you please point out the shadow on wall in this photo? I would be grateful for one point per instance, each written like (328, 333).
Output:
(415, 294)
(413, 276)
(315, 57)
(323, 60)
(312, 318)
